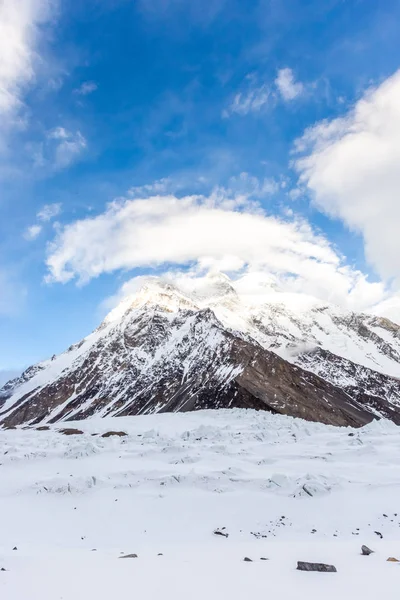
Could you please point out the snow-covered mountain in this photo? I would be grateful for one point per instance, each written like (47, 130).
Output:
(215, 343)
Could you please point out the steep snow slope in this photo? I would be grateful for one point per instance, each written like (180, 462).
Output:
(174, 349)
(283, 489)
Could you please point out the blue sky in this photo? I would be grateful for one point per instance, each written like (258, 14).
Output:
(103, 97)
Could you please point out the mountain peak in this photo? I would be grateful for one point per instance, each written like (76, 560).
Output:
(152, 291)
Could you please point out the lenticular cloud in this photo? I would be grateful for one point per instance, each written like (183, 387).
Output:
(217, 231)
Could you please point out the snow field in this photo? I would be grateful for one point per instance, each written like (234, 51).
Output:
(284, 489)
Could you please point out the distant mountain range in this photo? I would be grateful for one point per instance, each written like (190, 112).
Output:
(216, 346)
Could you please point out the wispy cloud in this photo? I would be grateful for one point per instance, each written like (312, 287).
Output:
(255, 97)
(58, 133)
(59, 149)
(86, 88)
(44, 215)
(287, 86)
(161, 186)
(250, 101)
(32, 232)
(67, 148)
(252, 186)
(49, 211)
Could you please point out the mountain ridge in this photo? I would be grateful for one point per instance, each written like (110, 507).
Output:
(167, 348)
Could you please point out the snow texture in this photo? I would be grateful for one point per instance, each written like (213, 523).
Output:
(281, 488)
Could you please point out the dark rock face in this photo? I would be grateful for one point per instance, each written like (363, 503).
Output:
(318, 567)
(287, 389)
(168, 355)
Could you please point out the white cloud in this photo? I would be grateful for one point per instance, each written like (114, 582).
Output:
(49, 211)
(287, 86)
(215, 232)
(68, 146)
(32, 232)
(20, 23)
(251, 100)
(352, 168)
(87, 87)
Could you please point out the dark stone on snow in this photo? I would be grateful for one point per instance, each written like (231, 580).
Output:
(318, 567)
(247, 559)
(366, 551)
(129, 556)
(117, 433)
(219, 532)
(378, 533)
(68, 431)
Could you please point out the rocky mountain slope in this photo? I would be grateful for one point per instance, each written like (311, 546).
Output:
(170, 349)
